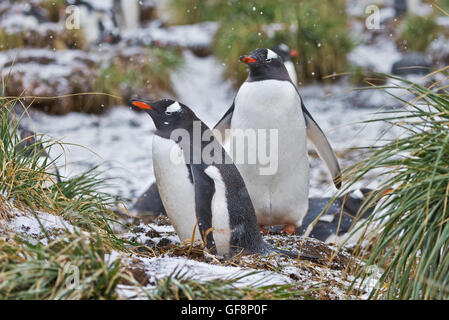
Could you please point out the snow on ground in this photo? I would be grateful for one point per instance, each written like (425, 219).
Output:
(377, 57)
(43, 72)
(32, 225)
(252, 270)
(187, 36)
(191, 269)
(199, 84)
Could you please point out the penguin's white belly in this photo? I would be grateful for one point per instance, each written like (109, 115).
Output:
(176, 191)
(283, 196)
(220, 214)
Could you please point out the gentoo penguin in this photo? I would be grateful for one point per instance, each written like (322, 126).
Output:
(287, 54)
(201, 189)
(126, 14)
(97, 21)
(269, 100)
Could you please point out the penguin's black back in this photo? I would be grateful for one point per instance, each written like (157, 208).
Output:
(242, 217)
(245, 233)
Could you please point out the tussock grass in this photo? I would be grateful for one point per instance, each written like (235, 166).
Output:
(318, 32)
(53, 8)
(416, 33)
(147, 74)
(411, 221)
(27, 177)
(31, 270)
(10, 41)
(73, 267)
(443, 4)
(57, 38)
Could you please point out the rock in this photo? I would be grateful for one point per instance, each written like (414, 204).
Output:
(164, 242)
(336, 221)
(411, 63)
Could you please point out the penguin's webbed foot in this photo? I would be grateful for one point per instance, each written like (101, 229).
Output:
(289, 229)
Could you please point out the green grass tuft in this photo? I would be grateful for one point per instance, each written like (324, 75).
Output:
(148, 74)
(73, 267)
(27, 178)
(74, 264)
(416, 33)
(413, 240)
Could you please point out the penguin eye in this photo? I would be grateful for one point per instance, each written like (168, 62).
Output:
(269, 60)
(168, 113)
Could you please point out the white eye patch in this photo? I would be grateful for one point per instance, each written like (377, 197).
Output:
(174, 107)
(271, 54)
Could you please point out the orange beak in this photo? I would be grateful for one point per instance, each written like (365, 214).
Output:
(142, 105)
(293, 53)
(246, 59)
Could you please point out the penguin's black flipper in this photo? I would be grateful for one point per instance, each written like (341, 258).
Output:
(325, 151)
(150, 201)
(204, 191)
(225, 122)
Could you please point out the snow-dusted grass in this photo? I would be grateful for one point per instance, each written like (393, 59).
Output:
(43, 256)
(53, 234)
(88, 81)
(28, 181)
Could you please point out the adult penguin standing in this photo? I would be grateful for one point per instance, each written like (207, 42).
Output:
(269, 100)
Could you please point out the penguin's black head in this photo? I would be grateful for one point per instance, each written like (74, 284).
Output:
(265, 64)
(285, 52)
(167, 115)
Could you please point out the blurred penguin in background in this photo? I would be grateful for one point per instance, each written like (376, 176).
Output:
(400, 8)
(126, 14)
(98, 24)
(103, 22)
(287, 54)
(414, 7)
